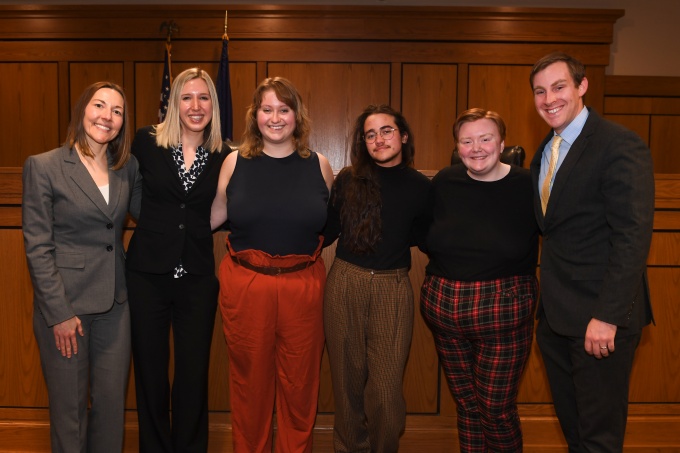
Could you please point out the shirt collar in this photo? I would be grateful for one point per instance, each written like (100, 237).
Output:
(178, 149)
(571, 132)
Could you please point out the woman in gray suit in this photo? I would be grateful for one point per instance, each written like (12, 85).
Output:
(75, 202)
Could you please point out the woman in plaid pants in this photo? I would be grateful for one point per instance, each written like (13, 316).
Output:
(480, 290)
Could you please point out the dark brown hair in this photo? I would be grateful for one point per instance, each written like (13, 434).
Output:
(360, 199)
(576, 68)
(119, 147)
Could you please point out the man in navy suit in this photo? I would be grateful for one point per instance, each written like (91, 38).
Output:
(595, 210)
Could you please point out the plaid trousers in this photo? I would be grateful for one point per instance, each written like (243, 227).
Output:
(483, 332)
(368, 321)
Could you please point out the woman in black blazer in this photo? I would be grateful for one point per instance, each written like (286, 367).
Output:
(171, 269)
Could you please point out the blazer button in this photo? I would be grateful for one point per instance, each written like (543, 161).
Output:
(109, 226)
(181, 226)
(109, 248)
(182, 206)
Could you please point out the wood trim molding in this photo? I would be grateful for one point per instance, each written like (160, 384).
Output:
(653, 86)
(10, 186)
(485, 24)
(28, 430)
(667, 193)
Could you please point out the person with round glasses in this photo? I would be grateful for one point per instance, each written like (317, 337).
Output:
(385, 133)
(377, 210)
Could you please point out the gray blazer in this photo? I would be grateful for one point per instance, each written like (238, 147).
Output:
(597, 231)
(73, 238)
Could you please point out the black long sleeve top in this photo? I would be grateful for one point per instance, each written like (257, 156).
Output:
(482, 230)
(404, 216)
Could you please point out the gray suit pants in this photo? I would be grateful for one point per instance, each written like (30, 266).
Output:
(98, 374)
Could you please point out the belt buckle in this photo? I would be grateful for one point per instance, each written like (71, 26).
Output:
(278, 271)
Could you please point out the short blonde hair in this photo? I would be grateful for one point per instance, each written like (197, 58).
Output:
(169, 132)
(252, 143)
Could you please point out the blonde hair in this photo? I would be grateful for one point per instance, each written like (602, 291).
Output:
(119, 147)
(169, 132)
(252, 143)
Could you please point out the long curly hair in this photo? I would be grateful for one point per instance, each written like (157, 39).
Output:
(359, 188)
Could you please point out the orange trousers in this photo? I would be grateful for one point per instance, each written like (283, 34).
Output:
(273, 325)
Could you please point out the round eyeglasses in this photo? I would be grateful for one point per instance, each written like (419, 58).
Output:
(386, 133)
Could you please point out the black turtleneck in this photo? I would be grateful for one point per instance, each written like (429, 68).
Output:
(404, 216)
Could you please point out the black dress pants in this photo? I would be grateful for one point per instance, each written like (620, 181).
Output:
(590, 395)
(172, 418)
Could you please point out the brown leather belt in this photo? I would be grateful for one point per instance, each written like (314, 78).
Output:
(271, 270)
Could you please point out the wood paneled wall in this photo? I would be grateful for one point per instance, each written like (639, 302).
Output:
(429, 62)
(651, 107)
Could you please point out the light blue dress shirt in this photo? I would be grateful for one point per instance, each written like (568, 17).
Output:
(569, 136)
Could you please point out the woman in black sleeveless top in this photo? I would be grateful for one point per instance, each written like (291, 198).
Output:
(275, 192)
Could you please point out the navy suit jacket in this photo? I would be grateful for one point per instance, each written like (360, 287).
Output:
(172, 224)
(597, 231)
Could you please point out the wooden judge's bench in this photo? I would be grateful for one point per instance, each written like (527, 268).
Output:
(429, 62)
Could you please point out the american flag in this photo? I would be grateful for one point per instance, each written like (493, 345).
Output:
(224, 93)
(165, 86)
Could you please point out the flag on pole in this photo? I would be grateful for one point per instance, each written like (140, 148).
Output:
(224, 92)
(165, 85)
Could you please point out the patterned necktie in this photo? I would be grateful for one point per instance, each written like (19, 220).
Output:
(554, 155)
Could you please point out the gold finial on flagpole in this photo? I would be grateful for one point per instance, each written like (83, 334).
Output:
(171, 27)
(225, 36)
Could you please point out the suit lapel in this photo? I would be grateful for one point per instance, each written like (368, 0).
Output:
(115, 188)
(81, 177)
(570, 162)
(172, 167)
(212, 158)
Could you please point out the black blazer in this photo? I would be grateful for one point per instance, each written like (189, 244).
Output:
(597, 231)
(172, 224)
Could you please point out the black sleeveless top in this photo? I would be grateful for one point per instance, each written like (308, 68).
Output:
(277, 206)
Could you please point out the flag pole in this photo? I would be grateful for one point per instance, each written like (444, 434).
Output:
(166, 81)
(168, 49)
(224, 88)
(171, 27)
